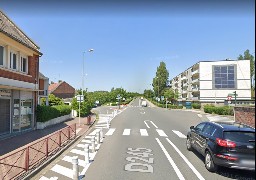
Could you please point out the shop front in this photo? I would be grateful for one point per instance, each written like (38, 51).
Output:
(17, 111)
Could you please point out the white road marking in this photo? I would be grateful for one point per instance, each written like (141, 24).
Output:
(93, 132)
(79, 152)
(176, 169)
(110, 131)
(69, 159)
(127, 132)
(86, 141)
(186, 160)
(63, 171)
(143, 132)
(153, 124)
(44, 178)
(200, 115)
(142, 112)
(146, 124)
(161, 133)
(89, 137)
(178, 133)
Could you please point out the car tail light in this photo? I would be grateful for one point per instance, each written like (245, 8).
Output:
(225, 143)
(227, 157)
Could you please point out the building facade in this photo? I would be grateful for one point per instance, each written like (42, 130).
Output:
(213, 81)
(19, 78)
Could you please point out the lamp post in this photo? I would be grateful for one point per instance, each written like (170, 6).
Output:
(90, 50)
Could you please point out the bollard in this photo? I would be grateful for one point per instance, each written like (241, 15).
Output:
(97, 137)
(93, 144)
(108, 124)
(101, 135)
(75, 168)
(86, 154)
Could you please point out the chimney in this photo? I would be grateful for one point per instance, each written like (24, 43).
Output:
(60, 81)
(52, 82)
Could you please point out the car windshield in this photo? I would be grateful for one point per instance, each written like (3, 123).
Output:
(239, 136)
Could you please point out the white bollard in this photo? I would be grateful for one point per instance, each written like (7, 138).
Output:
(93, 144)
(97, 137)
(101, 135)
(75, 168)
(86, 154)
(108, 124)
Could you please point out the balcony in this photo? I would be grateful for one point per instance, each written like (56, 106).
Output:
(195, 72)
(195, 81)
(184, 91)
(196, 89)
(195, 98)
(183, 78)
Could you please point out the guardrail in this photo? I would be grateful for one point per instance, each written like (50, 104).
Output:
(31, 156)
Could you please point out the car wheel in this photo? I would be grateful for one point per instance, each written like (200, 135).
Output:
(209, 164)
(188, 143)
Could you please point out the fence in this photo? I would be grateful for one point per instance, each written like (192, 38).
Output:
(31, 156)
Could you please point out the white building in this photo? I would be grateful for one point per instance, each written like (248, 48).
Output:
(212, 82)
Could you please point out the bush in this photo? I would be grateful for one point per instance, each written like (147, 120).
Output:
(46, 113)
(196, 106)
(221, 110)
(170, 106)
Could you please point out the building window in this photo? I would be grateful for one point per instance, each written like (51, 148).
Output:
(13, 60)
(224, 77)
(1, 55)
(23, 64)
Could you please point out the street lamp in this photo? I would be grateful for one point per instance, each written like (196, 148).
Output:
(90, 50)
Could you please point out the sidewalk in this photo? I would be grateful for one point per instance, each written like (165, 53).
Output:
(12, 144)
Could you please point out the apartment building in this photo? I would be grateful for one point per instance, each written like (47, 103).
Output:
(213, 81)
(19, 78)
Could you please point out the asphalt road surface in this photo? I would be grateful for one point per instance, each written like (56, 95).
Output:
(144, 143)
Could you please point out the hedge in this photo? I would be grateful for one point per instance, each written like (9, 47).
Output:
(46, 113)
(221, 110)
(196, 106)
(174, 106)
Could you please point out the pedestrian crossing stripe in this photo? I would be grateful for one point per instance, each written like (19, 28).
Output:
(63, 171)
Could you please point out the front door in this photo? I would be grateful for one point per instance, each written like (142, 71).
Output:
(5, 113)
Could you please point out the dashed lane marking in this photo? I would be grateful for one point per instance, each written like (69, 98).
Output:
(143, 132)
(178, 133)
(161, 133)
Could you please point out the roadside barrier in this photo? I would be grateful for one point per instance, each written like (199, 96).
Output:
(29, 157)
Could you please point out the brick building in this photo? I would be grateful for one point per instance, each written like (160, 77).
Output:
(62, 90)
(19, 77)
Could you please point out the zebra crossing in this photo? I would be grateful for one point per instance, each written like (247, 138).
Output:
(64, 168)
(141, 132)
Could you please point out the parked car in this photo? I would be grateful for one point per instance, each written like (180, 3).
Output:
(223, 144)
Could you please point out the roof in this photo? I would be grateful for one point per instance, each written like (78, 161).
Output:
(41, 76)
(10, 29)
(54, 86)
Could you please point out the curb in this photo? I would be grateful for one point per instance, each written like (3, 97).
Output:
(47, 162)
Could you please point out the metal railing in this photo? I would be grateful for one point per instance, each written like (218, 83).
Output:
(31, 156)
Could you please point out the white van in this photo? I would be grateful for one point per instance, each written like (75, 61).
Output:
(144, 103)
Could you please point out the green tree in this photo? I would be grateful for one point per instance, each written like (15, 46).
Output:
(248, 56)
(148, 93)
(171, 95)
(160, 82)
(53, 100)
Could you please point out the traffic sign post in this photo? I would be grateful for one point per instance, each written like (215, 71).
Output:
(80, 98)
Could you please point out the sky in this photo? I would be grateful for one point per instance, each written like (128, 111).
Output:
(131, 38)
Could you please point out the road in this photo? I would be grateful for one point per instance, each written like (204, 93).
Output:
(149, 143)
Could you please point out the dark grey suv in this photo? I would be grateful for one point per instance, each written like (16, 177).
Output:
(223, 144)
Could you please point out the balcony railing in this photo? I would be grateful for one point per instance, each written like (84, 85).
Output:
(195, 98)
(195, 89)
(195, 81)
(195, 72)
